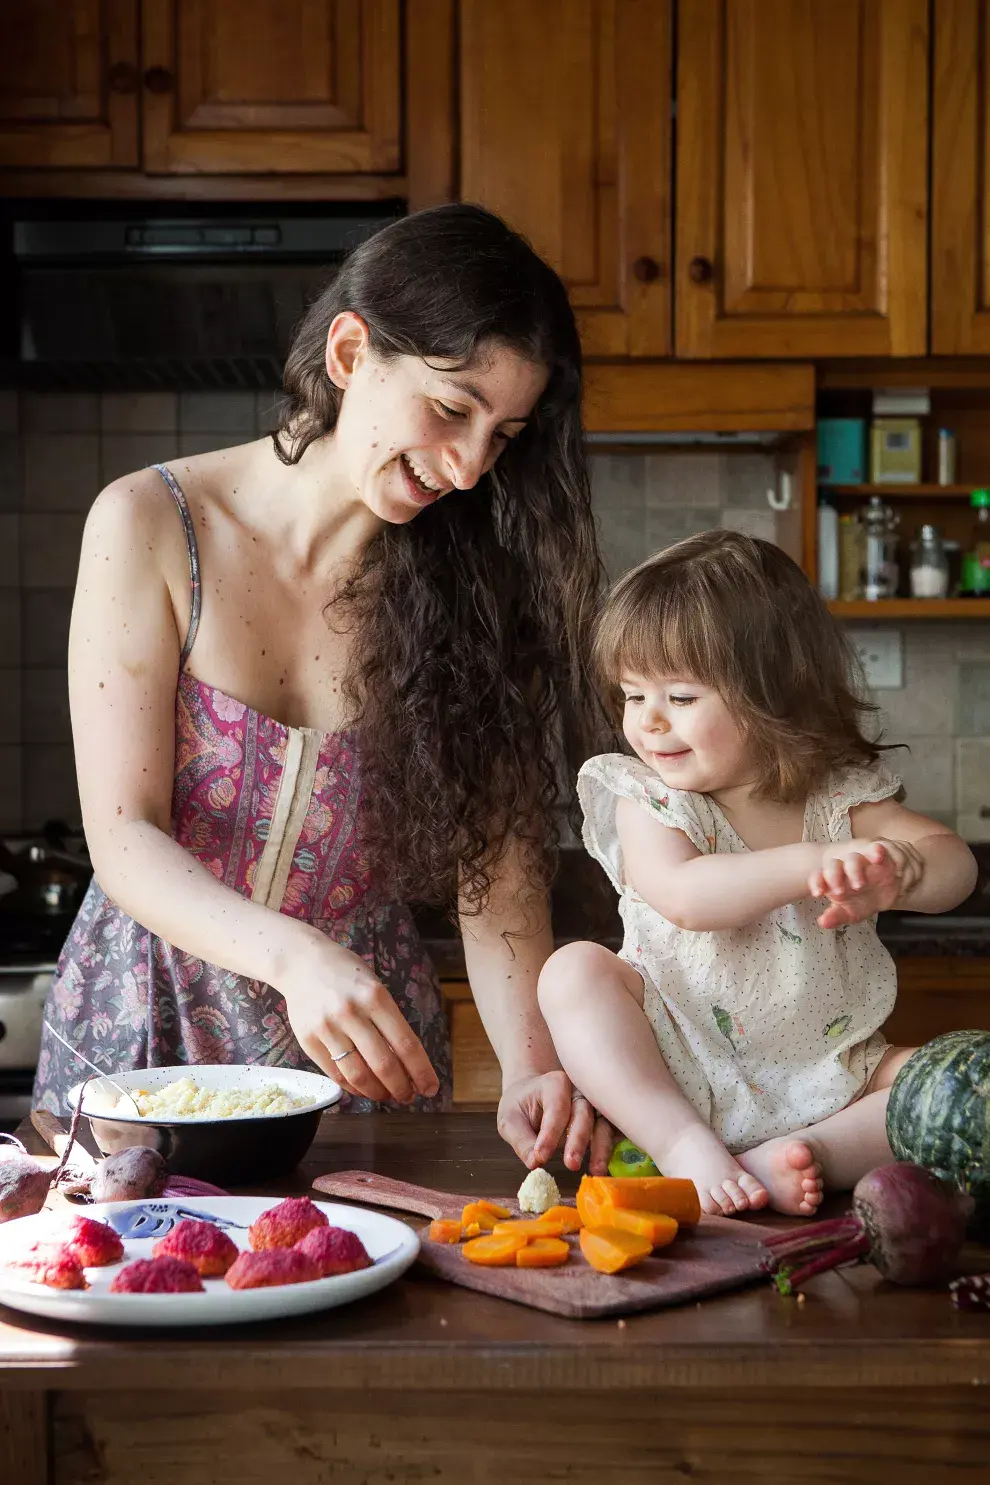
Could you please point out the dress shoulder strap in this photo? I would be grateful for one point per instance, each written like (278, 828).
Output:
(195, 581)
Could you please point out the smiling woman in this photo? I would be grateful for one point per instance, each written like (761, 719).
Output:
(323, 674)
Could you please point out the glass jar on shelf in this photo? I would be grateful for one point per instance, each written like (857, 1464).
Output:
(880, 572)
(929, 572)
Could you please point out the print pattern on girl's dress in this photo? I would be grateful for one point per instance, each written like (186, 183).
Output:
(274, 812)
(812, 999)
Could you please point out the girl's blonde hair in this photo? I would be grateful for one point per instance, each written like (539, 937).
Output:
(735, 613)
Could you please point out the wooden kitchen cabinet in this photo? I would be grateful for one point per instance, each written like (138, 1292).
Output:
(271, 85)
(565, 119)
(802, 159)
(68, 83)
(961, 178)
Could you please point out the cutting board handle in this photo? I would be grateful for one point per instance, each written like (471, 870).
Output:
(381, 1191)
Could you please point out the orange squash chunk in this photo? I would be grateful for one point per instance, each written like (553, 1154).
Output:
(671, 1195)
(543, 1252)
(531, 1227)
(590, 1208)
(568, 1217)
(485, 1213)
(446, 1230)
(492, 1251)
(658, 1228)
(609, 1249)
(473, 1229)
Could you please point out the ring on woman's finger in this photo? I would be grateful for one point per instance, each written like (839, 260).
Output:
(339, 1056)
(575, 1096)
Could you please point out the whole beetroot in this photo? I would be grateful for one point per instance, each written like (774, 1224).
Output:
(906, 1221)
(129, 1175)
(24, 1185)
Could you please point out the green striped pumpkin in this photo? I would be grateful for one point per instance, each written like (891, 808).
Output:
(938, 1113)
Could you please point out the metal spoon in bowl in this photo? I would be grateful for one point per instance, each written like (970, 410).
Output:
(123, 1104)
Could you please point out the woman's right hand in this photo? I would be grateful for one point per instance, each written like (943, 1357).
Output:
(349, 1025)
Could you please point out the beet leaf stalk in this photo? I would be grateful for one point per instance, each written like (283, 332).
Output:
(905, 1221)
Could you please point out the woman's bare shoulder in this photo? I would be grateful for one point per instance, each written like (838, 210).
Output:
(135, 519)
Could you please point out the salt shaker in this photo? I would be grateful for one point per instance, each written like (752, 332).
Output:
(929, 565)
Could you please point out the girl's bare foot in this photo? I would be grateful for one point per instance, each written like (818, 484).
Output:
(724, 1186)
(790, 1172)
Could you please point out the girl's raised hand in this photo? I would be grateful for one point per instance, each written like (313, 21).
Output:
(861, 878)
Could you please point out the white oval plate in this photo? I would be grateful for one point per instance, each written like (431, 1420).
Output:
(391, 1245)
(101, 1097)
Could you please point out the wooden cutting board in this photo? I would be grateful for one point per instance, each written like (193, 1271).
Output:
(716, 1255)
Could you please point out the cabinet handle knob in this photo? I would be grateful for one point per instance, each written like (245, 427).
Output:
(159, 80)
(122, 78)
(700, 271)
(646, 270)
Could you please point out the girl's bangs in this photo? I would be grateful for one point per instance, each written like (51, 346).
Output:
(646, 632)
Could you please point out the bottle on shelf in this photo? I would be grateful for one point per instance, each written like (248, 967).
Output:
(946, 457)
(929, 574)
(975, 580)
(880, 572)
(850, 557)
(828, 549)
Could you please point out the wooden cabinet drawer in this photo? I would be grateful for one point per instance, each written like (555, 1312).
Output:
(477, 1075)
(935, 995)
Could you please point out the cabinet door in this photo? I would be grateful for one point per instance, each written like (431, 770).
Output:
(565, 131)
(802, 177)
(283, 86)
(961, 178)
(68, 83)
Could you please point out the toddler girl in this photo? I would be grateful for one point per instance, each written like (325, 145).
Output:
(752, 839)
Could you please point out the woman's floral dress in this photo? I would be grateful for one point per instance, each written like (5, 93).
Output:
(273, 812)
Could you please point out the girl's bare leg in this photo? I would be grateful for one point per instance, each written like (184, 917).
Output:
(847, 1144)
(593, 1004)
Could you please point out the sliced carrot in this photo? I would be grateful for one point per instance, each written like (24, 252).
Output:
(543, 1252)
(446, 1230)
(568, 1217)
(472, 1230)
(531, 1227)
(485, 1213)
(671, 1195)
(609, 1249)
(658, 1228)
(493, 1252)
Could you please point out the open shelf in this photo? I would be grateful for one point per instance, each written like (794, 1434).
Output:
(911, 608)
(906, 492)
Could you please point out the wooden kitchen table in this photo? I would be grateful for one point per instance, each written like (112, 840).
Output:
(426, 1381)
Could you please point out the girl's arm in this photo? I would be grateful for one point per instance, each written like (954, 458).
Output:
(704, 893)
(948, 869)
(124, 651)
(505, 948)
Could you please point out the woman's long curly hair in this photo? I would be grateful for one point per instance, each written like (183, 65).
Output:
(471, 624)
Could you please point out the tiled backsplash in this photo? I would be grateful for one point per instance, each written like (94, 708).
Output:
(57, 450)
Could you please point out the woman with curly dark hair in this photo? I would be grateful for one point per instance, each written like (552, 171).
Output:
(321, 675)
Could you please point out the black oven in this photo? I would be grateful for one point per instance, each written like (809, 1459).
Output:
(138, 296)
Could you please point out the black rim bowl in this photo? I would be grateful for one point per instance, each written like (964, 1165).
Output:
(226, 1152)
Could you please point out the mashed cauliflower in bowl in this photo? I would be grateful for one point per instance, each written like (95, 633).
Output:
(226, 1123)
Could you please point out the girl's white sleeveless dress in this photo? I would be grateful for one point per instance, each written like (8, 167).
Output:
(767, 1028)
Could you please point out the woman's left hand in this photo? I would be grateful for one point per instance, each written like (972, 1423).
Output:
(535, 1113)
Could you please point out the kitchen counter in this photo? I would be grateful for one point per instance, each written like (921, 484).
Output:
(429, 1381)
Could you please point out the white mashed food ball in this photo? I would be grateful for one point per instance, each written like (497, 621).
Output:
(538, 1193)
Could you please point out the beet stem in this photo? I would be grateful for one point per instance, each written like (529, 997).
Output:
(845, 1253)
(835, 1225)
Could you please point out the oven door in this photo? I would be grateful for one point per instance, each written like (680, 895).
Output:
(23, 992)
